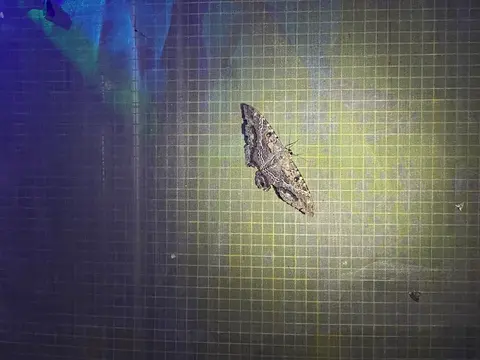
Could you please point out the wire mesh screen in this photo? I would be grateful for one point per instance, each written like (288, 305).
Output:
(134, 229)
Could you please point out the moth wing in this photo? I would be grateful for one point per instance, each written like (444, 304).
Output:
(290, 185)
(262, 143)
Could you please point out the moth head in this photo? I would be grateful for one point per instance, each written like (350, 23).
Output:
(262, 181)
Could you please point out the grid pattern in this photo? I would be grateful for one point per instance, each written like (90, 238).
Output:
(375, 98)
(148, 239)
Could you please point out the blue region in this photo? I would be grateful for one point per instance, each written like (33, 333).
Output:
(110, 28)
(87, 16)
(155, 16)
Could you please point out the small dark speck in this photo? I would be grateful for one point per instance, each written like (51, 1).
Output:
(138, 31)
(107, 27)
(415, 295)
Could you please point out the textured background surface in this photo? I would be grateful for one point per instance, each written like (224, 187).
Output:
(381, 101)
(135, 230)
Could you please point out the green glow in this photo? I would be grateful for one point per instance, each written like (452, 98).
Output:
(371, 180)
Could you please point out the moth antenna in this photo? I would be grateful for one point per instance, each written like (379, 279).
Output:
(297, 155)
(301, 157)
(289, 148)
(290, 145)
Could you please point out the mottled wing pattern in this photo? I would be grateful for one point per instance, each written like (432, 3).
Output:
(262, 144)
(274, 163)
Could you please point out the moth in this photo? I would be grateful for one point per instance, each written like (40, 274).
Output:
(273, 161)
